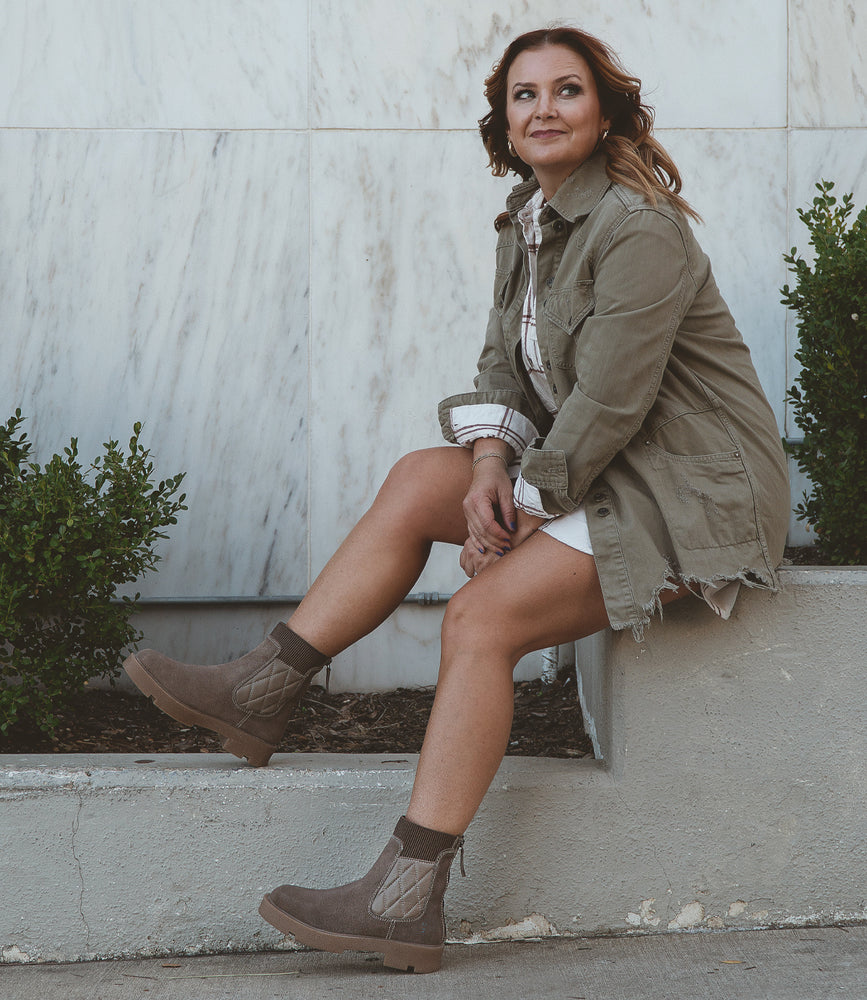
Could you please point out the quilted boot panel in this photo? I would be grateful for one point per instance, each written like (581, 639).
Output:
(267, 691)
(405, 891)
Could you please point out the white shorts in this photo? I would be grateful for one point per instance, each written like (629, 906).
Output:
(571, 529)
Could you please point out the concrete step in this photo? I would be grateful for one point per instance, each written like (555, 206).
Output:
(730, 795)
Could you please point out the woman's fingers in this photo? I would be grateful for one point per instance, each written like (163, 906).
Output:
(473, 561)
(486, 497)
(507, 506)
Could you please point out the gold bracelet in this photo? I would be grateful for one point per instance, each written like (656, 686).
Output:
(491, 454)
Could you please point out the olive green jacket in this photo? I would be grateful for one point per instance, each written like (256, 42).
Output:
(663, 430)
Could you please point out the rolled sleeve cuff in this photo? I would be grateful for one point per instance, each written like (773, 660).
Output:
(528, 498)
(470, 422)
(546, 469)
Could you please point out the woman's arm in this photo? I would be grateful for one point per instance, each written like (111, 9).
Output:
(489, 506)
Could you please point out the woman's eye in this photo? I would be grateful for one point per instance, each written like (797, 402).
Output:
(522, 95)
(570, 90)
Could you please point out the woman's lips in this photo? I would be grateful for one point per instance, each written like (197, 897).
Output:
(547, 133)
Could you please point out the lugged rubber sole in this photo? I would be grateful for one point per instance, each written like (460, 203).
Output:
(257, 752)
(396, 954)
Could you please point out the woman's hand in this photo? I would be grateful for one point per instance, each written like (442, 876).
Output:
(488, 505)
(473, 561)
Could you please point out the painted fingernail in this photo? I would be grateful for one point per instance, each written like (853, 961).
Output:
(482, 551)
(500, 553)
(512, 526)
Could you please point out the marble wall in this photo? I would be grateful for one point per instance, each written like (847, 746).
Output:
(233, 220)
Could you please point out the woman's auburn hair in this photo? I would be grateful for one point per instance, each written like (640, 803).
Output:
(634, 158)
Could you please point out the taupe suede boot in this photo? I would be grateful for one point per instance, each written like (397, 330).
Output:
(248, 701)
(396, 909)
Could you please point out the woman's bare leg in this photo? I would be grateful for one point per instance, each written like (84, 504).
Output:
(384, 554)
(544, 593)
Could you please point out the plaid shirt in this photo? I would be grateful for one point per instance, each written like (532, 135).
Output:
(475, 421)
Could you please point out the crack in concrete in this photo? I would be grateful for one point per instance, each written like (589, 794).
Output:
(76, 821)
(655, 850)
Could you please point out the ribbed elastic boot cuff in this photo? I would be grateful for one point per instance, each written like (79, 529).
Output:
(423, 844)
(297, 652)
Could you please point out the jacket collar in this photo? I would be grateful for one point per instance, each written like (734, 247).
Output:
(576, 197)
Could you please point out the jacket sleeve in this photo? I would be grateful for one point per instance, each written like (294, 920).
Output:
(497, 389)
(496, 383)
(643, 286)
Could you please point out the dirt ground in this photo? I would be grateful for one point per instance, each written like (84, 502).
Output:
(547, 723)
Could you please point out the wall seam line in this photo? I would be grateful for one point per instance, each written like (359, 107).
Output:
(310, 313)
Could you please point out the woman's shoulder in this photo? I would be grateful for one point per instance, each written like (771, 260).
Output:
(634, 205)
(624, 213)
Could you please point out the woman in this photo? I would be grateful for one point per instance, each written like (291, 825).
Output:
(650, 466)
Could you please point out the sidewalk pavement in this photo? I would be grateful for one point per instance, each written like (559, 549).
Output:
(804, 964)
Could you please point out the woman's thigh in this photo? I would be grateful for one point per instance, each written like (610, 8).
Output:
(424, 491)
(541, 594)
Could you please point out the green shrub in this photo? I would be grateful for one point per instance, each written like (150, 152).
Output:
(68, 538)
(829, 399)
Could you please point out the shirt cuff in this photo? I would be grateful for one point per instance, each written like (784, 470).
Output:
(492, 420)
(528, 498)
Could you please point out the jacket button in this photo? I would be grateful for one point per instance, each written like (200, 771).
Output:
(549, 282)
(603, 512)
(554, 388)
(559, 226)
(548, 365)
(600, 497)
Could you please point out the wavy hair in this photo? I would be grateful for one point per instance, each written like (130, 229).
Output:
(634, 157)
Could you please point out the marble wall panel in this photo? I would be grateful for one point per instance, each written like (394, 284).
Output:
(163, 277)
(838, 155)
(736, 180)
(827, 63)
(402, 271)
(162, 63)
(389, 64)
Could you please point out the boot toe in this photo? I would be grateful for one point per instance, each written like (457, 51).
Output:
(155, 662)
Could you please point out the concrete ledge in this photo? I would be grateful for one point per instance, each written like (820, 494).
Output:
(731, 796)
(114, 857)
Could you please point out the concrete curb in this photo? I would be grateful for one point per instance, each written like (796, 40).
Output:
(731, 795)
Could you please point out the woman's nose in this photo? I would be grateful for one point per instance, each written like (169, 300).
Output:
(545, 106)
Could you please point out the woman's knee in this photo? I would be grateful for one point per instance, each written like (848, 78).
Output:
(431, 462)
(472, 624)
(408, 471)
(403, 485)
(424, 490)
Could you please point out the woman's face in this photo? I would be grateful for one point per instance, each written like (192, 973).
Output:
(552, 111)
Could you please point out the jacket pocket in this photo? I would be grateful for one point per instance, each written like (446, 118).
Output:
(565, 311)
(706, 500)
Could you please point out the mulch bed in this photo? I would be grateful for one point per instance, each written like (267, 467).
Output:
(547, 723)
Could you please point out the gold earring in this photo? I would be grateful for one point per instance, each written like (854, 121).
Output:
(510, 148)
(603, 135)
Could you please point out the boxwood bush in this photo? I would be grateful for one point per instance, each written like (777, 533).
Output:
(829, 397)
(69, 537)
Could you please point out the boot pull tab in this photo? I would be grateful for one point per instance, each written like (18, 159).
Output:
(463, 870)
(327, 676)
